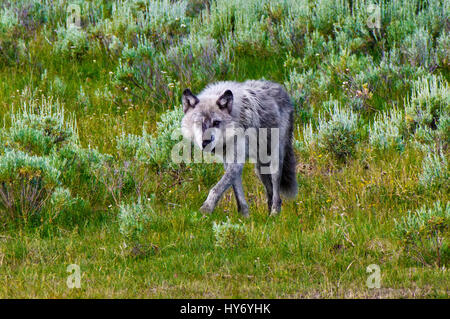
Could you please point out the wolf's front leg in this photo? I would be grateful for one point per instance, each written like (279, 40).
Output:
(232, 172)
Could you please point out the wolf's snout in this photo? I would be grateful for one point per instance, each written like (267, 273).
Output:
(206, 142)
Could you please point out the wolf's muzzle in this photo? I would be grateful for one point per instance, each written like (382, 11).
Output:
(206, 142)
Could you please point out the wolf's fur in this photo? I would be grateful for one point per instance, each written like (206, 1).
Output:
(226, 106)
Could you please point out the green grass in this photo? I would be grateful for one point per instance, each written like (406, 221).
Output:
(319, 246)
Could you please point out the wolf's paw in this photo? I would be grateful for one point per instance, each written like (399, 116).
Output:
(244, 212)
(274, 212)
(276, 208)
(206, 209)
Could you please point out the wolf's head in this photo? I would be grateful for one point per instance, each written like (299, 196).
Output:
(207, 119)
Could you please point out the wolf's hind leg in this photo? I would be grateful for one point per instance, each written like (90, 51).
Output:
(239, 194)
(240, 197)
(276, 199)
(266, 179)
(232, 172)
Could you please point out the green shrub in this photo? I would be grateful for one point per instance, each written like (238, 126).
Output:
(133, 219)
(78, 167)
(338, 134)
(424, 137)
(40, 127)
(140, 73)
(386, 133)
(137, 155)
(9, 42)
(153, 150)
(8, 18)
(417, 49)
(304, 88)
(229, 235)
(63, 208)
(443, 130)
(435, 171)
(443, 51)
(424, 234)
(41, 132)
(308, 140)
(429, 101)
(26, 184)
(197, 61)
(128, 144)
(71, 42)
(156, 150)
(83, 99)
(58, 86)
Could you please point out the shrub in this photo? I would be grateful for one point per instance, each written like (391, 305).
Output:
(195, 7)
(156, 151)
(128, 144)
(338, 135)
(40, 127)
(196, 61)
(424, 137)
(424, 234)
(78, 167)
(120, 22)
(435, 171)
(26, 184)
(58, 86)
(385, 132)
(316, 48)
(71, 42)
(8, 18)
(65, 208)
(308, 141)
(303, 88)
(41, 132)
(417, 49)
(167, 17)
(138, 154)
(139, 71)
(443, 130)
(133, 219)
(229, 235)
(8, 40)
(429, 101)
(153, 150)
(236, 20)
(83, 99)
(443, 51)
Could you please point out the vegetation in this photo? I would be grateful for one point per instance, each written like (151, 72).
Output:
(91, 107)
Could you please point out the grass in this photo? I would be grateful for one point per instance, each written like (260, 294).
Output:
(342, 221)
(319, 247)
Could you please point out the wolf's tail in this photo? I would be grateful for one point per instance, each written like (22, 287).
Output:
(288, 183)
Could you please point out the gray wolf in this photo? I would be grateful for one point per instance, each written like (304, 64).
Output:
(212, 119)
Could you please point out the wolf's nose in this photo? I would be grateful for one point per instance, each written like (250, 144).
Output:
(206, 142)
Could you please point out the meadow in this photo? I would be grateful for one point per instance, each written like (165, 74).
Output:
(90, 95)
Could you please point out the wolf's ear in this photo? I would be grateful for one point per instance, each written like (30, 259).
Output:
(225, 101)
(189, 100)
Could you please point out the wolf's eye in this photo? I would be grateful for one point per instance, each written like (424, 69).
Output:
(216, 123)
